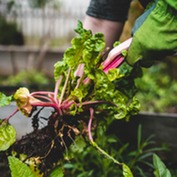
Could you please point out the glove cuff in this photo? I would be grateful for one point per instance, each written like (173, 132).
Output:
(133, 53)
(140, 20)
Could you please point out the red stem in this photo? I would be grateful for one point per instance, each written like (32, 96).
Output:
(44, 104)
(42, 93)
(65, 85)
(94, 102)
(56, 88)
(90, 125)
(114, 63)
(43, 97)
(6, 119)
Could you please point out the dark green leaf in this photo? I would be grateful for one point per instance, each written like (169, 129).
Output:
(124, 53)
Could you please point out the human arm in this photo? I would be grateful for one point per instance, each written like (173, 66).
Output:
(111, 29)
(108, 17)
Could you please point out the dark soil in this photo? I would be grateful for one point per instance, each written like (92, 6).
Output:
(4, 168)
(48, 144)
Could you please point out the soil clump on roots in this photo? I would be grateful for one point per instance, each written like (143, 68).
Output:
(46, 146)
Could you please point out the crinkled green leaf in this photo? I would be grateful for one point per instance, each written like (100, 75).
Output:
(74, 55)
(134, 106)
(18, 168)
(124, 53)
(78, 94)
(114, 74)
(103, 88)
(126, 171)
(5, 100)
(160, 168)
(57, 172)
(7, 135)
(116, 43)
(60, 68)
(80, 30)
(121, 112)
(87, 49)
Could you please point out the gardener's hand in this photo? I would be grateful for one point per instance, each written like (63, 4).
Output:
(157, 36)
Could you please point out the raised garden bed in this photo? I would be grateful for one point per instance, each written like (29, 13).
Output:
(161, 125)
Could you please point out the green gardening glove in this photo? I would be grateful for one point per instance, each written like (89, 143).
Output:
(157, 36)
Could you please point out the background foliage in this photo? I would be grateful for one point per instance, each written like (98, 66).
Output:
(157, 89)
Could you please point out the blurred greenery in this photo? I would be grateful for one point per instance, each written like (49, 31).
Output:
(30, 77)
(157, 89)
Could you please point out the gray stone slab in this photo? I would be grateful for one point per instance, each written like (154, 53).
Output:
(21, 123)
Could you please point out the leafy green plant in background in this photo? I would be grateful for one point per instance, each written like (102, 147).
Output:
(157, 89)
(160, 168)
(26, 78)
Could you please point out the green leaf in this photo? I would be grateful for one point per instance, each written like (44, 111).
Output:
(126, 171)
(134, 106)
(77, 93)
(59, 69)
(116, 43)
(5, 100)
(120, 112)
(18, 168)
(80, 30)
(7, 135)
(114, 74)
(57, 172)
(124, 53)
(160, 168)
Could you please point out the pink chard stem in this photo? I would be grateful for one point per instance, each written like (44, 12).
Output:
(64, 88)
(56, 88)
(90, 125)
(11, 115)
(116, 51)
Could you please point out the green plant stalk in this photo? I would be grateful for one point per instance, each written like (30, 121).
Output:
(139, 146)
(95, 145)
(126, 171)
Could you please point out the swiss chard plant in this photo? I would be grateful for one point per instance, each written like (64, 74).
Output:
(89, 90)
